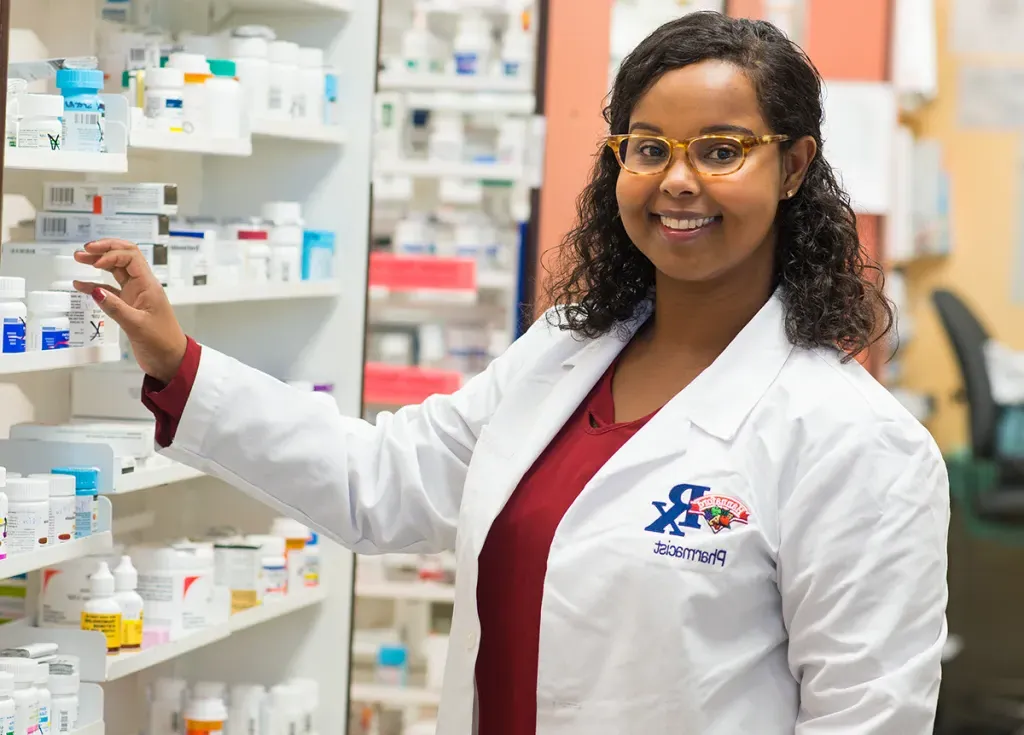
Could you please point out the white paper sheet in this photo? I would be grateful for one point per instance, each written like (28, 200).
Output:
(990, 97)
(987, 26)
(859, 133)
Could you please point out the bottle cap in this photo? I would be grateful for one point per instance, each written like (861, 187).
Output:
(311, 58)
(6, 684)
(69, 269)
(80, 79)
(23, 669)
(282, 213)
(392, 656)
(248, 48)
(283, 52)
(86, 478)
(126, 578)
(12, 287)
(101, 583)
(209, 690)
(289, 528)
(206, 709)
(40, 105)
(49, 302)
(166, 77)
(223, 68)
(167, 689)
(60, 485)
(27, 490)
(42, 675)
(253, 235)
(63, 683)
(247, 695)
(286, 696)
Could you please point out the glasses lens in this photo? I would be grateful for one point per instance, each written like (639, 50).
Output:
(716, 156)
(644, 155)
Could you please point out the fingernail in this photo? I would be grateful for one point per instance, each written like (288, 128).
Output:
(98, 294)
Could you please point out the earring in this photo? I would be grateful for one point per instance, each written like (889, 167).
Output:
(789, 194)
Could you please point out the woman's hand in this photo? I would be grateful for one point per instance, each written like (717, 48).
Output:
(140, 306)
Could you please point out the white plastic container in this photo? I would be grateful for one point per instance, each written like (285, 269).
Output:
(253, 70)
(245, 711)
(282, 79)
(8, 711)
(166, 702)
(274, 565)
(126, 579)
(512, 141)
(256, 255)
(3, 513)
(64, 686)
(25, 696)
(295, 536)
(447, 138)
(224, 100)
(49, 327)
(473, 46)
(61, 525)
(418, 46)
(88, 327)
(42, 683)
(164, 102)
(206, 716)
(13, 314)
(282, 712)
(517, 47)
(414, 236)
(15, 88)
(175, 606)
(86, 498)
(28, 514)
(309, 701)
(101, 612)
(194, 102)
(39, 124)
(310, 94)
(285, 240)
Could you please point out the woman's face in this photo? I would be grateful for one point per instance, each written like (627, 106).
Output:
(697, 228)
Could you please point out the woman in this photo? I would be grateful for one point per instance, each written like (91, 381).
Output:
(676, 503)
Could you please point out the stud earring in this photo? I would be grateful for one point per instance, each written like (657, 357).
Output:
(789, 194)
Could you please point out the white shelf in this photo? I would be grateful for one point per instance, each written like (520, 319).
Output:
(99, 542)
(155, 140)
(37, 361)
(194, 295)
(301, 132)
(44, 160)
(495, 280)
(405, 82)
(96, 728)
(394, 696)
(515, 103)
(295, 6)
(446, 169)
(126, 664)
(425, 591)
(146, 477)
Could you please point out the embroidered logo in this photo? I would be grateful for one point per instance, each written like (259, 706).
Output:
(720, 511)
(679, 512)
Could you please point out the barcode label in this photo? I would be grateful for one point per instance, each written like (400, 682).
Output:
(62, 195)
(55, 226)
(85, 118)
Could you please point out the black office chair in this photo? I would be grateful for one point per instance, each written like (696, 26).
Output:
(1005, 502)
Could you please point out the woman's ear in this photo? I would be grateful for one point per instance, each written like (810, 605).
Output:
(795, 162)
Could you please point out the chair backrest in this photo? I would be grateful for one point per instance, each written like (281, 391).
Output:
(969, 337)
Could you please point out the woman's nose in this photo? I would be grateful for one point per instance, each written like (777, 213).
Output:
(680, 179)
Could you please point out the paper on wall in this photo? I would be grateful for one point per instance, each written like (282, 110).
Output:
(1017, 284)
(990, 97)
(859, 140)
(987, 26)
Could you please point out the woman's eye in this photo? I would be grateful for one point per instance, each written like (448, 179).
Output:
(651, 150)
(722, 153)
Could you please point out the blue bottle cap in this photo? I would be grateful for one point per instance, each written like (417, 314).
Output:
(391, 656)
(318, 239)
(86, 478)
(80, 78)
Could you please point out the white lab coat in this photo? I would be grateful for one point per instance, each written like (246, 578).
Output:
(821, 614)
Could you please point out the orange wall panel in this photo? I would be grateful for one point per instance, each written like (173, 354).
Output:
(849, 40)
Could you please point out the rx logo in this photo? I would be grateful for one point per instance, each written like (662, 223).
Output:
(679, 512)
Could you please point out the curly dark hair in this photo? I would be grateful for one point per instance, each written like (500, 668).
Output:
(831, 290)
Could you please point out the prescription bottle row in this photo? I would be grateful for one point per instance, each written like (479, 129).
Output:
(43, 510)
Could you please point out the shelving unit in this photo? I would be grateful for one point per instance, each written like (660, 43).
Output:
(42, 160)
(323, 134)
(434, 83)
(153, 140)
(195, 295)
(425, 591)
(97, 543)
(496, 172)
(34, 362)
(392, 696)
(144, 478)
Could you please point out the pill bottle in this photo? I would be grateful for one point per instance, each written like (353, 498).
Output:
(253, 71)
(42, 683)
(517, 48)
(7, 709)
(285, 240)
(13, 314)
(447, 140)
(209, 690)
(49, 327)
(282, 710)
(64, 686)
(164, 102)
(224, 100)
(3, 514)
(472, 44)
(194, 101)
(166, 702)
(312, 554)
(25, 696)
(15, 88)
(283, 57)
(39, 123)
(295, 536)
(61, 524)
(28, 514)
(309, 97)
(206, 716)
(126, 580)
(87, 481)
(178, 589)
(84, 112)
(88, 322)
(331, 114)
(245, 709)
(310, 702)
(101, 612)
(392, 665)
(256, 255)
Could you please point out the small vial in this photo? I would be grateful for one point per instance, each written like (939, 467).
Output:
(48, 325)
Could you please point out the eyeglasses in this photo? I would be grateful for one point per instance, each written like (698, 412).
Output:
(709, 155)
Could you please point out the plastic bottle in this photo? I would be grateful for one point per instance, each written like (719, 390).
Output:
(282, 713)
(25, 696)
(517, 48)
(3, 514)
(101, 612)
(84, 113)
(39, 122)
(126, 579)
(253, 70)
(13, 314)
(312, 553)
(194, 103)
(61, 524)
(256, 255)
(64, 685)
(49, 327)
(28, 514)
(309, 99)
(473, 45)
(87, 320)
(418, 45)
(283, 56)
(245, 713)
(224, 100)
(331, 116)
(295, 535)
(87, 500)
(164, 102)
(42, 683)
(205, 716)
(285, 240)
(447, 138)
(166, 702)
(310, 702)
(8, 711)
(15, 87)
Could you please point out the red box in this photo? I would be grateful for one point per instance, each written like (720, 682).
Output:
(422, 272)
(390, 385)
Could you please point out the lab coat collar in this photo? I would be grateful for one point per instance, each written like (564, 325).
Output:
(722, 396)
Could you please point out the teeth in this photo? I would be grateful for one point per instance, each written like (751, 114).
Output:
(686, 224)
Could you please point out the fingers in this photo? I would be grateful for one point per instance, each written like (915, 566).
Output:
(115, 256)
(90, 286)
(112, 305)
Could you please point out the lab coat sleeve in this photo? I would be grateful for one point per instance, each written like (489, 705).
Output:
(862, 573)
(393, 486)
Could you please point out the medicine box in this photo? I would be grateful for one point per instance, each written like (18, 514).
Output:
(72, 227)
(34, 262)
(131, 439)
(142, 198)
(238, 567)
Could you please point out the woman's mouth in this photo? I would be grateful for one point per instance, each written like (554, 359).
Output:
(677, 229)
